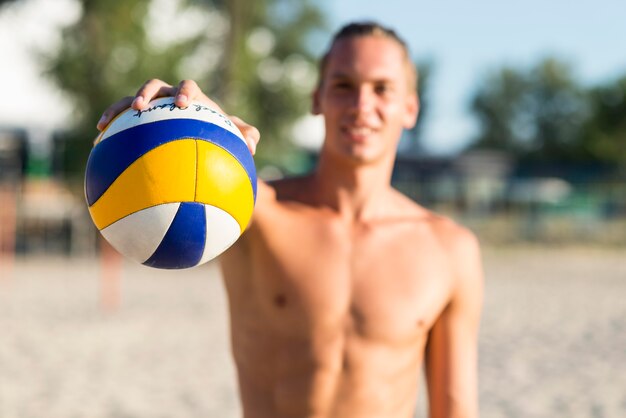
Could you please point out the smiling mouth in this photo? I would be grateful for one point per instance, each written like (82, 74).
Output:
(358, 133)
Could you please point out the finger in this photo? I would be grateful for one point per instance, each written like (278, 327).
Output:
(250, 133)
(112, 111)
(187, 91)
(150, 90)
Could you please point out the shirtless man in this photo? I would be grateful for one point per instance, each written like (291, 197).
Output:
(342, 288)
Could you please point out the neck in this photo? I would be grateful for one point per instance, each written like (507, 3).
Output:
(356, 191)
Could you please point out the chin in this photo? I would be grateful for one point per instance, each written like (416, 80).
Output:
(362, 157)
(365, 153)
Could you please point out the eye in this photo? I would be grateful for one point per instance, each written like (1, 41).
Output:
(382, 88)
(341, 85)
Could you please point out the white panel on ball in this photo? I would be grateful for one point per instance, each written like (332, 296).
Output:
(164, 109)
(222, 231)
(139, 234)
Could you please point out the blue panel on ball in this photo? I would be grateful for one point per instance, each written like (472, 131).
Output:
(112, 156)
(183, 244)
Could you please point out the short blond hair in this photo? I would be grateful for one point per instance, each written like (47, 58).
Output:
(369, 28)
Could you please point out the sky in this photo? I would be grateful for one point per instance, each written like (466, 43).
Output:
(462, 39)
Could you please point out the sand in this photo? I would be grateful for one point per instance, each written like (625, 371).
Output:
(553, 339)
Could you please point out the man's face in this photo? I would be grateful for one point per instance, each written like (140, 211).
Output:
(366, 98)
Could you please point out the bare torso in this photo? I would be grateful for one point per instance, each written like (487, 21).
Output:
(330, 318)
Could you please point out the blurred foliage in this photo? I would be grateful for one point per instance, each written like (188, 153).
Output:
(536, 114)
(257, 60)
(605, 130)
(268, 72)
(106, 55)
(544, 114)
(253, 62)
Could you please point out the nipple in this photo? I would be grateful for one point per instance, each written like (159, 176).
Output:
(280, 300)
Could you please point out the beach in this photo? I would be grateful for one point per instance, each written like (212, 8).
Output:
(552, 339)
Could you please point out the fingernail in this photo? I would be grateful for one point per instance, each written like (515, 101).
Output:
(101, 121)
(181, 98)
(138, 101)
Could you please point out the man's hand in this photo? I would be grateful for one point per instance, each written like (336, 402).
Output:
(186, 92)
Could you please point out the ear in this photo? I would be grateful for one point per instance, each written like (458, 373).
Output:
(315, 102)
(412, 111)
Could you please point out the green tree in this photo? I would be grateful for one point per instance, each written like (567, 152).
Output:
(251, 56)
(536, 114)
(269, 71)
(104, 56)
(605, 130)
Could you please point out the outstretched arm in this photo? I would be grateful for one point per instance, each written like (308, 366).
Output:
(452, 350)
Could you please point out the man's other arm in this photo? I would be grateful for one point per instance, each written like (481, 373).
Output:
(452, 349)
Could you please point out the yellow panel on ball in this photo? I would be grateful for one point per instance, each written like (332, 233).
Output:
(165, 174)
(224, 183)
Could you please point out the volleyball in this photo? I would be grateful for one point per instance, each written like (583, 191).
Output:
(170, 187)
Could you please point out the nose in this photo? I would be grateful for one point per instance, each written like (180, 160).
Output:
(362, 100)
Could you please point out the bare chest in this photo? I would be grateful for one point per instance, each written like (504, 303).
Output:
(381, 282)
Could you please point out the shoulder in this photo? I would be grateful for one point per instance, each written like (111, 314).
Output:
(293, 189)
(462, 252)
(459, 245)
(277, 199)
(459, 241)
(286, 189)
(453, 237)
